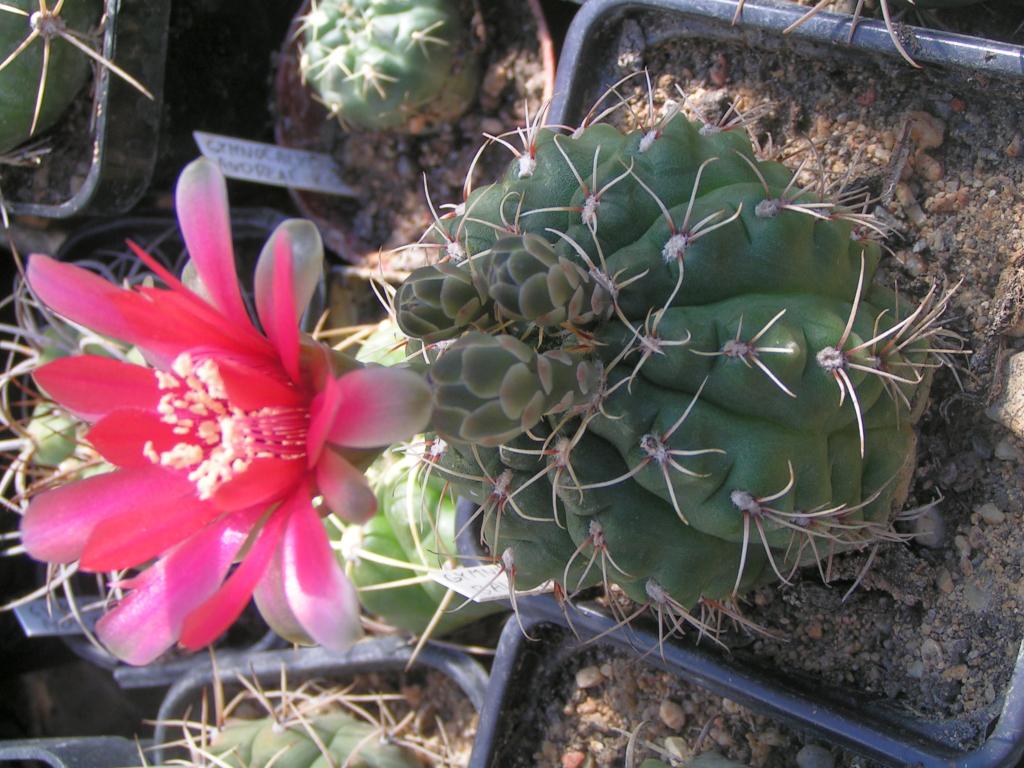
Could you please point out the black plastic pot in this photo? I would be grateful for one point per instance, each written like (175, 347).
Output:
(860, 723)
(866, 728)
(386, 654)
(119, 147)
(582, 70)
(85, 752)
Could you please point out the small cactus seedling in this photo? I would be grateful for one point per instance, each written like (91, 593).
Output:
(660, 362)
(403, 65)
(313, 724)
(45, 62)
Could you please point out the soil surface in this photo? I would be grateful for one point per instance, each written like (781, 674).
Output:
(935, 625)
(599, 700)
(387, 169)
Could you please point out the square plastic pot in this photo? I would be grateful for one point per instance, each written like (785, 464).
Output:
(120, 149)
(382, 654)
(861, 723)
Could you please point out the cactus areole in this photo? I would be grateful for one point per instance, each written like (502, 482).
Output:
(658, 361)
(398, 65)
(42, 72)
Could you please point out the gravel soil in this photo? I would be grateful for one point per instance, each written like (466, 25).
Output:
(934, 626)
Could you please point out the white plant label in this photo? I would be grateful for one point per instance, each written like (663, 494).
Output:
(269, 164)
(482, 583)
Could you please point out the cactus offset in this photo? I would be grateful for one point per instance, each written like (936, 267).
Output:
(661, 363)
(404, 65)
(40, 73)
(415, 524)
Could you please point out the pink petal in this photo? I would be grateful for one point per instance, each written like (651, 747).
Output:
(163, 323)
(344, 488)
(135, 536)
(275, 300)
(322, 413)
(273, 603)
(265, 481)
(58, 522)
(176, 323)
(253, 388)
(306, 264)
(201, 201)
(319, 594)
(149, 620)
(380, 406)
(81, 296)
(122, 436)
(90, 386)
(207, 622)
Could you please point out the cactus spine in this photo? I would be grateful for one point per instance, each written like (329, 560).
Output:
(40, 73)
(399, 65)
(660, 362)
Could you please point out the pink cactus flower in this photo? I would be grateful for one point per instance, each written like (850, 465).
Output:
(227, 450)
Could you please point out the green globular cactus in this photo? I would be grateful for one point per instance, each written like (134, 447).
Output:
(40, 72)
(402, 65)
(319, 741)
(414, 530)
(658, 362)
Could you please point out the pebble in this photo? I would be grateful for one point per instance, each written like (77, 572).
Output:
(588, 677)
(991, 514)
(963, 546)
(677, 747)
(945, 581)
(931, 652)
(916, 669)
(929, 527)
(926, 130)
(1005, 450)
(1014, 147)
(814, 630)
(574, 759)
(672, 715)
(928, 167)
(976, 597)
(813, 756)
(1008, 409)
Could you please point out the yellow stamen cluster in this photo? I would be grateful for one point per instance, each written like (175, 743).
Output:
(222, 440)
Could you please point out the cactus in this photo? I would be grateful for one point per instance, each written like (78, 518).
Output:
(320, 740)
(41, 72)
(659, 362)
(401, 65)
(415, 524)
(413, 531)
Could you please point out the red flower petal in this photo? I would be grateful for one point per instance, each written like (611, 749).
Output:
(135, 536)
(273, 603)
(121, 436)
(149, 620)
(90, 386)
(380, 406)
(207, 622)
(58, 522)
(319, 594)
(265, 481)
(201, 202)
(344, 488)
(252, 388)
(275, 301)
